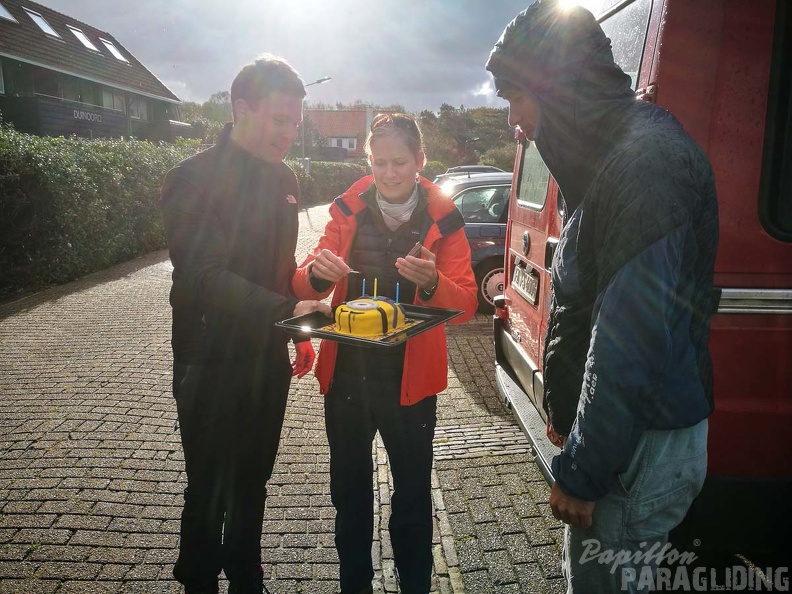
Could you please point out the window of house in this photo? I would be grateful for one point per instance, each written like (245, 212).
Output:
(113, 99)
(351, 143)
(2, 82)
(113, 50)
(70, 88)
(83, 38)
(138, 109)
(339, 142)
(4, 14)
(42, 23)
(45, 82)
(81, 90)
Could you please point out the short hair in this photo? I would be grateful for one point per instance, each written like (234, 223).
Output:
(401, 124)
(266, 75)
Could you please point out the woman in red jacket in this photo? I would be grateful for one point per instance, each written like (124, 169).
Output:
(373, 226)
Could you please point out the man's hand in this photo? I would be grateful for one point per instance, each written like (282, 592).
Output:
(303, 360)
(572, 511)
(555, 438)
(309, 305)
(420, 271)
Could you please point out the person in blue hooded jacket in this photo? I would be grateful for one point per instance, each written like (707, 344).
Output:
(627, 371)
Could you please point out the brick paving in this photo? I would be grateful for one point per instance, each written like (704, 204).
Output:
(91, 469)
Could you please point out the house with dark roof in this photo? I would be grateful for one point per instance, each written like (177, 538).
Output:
(344, 129)
(60, 76)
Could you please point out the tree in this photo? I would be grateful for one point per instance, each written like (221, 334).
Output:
(452, 135)
(218, 107)
(459, 136)
(313, 140)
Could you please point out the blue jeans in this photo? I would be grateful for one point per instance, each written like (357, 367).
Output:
(631, 523)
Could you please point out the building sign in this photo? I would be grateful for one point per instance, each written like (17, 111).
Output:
(87, 116)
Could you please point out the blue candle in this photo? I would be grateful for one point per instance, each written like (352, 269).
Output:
(364, 288)
(397, 292)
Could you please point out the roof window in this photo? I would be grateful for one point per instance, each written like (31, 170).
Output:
(43, 25)
(83, 38)
(4, 14)
(113, 50)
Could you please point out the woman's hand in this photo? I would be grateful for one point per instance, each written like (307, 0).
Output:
(329, 267)
(420, 271)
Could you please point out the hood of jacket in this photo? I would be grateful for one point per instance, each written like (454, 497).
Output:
(562, 57)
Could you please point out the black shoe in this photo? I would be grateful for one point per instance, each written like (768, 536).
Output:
(247, 589)
(205, 588)
(367, 590)
(252, 585)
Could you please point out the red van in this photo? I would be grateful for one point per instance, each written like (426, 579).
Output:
(724, 68)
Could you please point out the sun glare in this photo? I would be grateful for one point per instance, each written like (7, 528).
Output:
(568, 4)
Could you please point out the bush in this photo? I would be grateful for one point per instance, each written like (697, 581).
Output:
(71, 206)
(432, 169)
(502, 157)
(326, 181)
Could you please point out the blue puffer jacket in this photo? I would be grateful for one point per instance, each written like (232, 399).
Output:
(626, 345)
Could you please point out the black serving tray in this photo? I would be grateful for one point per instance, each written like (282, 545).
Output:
(317, 325)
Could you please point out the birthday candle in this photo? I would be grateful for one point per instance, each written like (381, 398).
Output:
(364, 288)
(397, 292)
(375, 286)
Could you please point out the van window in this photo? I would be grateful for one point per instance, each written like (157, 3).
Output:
(627, 29)
(775, 191)
(534, 178)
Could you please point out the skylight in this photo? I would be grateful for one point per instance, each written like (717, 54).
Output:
(43, 25)
(5, 14)
(113, 50)
(83, 38)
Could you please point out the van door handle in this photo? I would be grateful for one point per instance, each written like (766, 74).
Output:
(550, 248)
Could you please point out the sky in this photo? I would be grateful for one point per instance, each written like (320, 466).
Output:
(418, 54)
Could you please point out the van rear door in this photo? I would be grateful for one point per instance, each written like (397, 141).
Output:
(531, 235)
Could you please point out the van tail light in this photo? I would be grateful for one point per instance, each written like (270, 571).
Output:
(501, 307)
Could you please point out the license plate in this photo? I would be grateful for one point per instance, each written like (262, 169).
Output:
(526, 283)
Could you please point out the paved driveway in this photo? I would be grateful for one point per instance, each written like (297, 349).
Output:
(91, 469)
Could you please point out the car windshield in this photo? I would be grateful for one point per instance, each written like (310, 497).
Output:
(482, 205)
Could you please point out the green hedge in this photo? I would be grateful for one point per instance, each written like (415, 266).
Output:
(327, 180)
(71, 206)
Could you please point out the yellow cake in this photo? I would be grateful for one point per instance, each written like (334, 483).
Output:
(367, 317)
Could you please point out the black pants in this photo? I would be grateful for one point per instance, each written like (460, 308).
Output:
(354, 410)
(230, 418)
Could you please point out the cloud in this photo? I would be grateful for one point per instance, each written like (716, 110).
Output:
(383, 51)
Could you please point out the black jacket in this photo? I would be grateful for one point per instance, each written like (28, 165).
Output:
(231, 222)
(626, 344)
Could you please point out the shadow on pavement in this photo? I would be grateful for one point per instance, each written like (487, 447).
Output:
(11, 305)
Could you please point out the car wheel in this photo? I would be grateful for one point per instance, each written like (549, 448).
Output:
(490, 279)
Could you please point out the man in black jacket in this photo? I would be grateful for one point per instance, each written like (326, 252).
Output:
(627, 371)
(230, 215)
